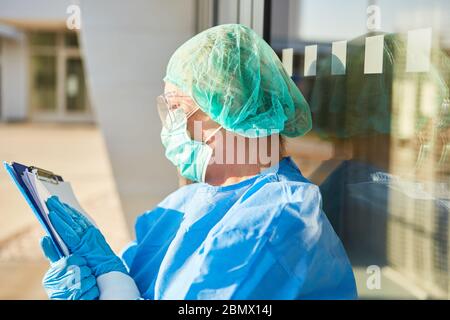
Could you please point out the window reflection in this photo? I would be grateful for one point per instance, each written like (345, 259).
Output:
(43, 87)
(75, 86)
(380, 98)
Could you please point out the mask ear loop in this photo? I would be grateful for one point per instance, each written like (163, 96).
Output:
(212, 134)
(189, 114)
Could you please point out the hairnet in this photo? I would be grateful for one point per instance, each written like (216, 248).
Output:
(237, 79)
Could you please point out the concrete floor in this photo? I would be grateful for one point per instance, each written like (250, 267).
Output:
(77, 153)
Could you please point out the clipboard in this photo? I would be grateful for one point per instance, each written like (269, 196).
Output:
(36, 185)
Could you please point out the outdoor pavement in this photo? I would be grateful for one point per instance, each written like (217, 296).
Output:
(76, 152)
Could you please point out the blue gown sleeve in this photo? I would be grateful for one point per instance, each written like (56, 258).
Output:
(155, 230)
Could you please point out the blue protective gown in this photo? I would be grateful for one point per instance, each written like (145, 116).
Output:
(263, 238)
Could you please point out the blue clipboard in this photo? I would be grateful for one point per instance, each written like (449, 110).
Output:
(15, 170)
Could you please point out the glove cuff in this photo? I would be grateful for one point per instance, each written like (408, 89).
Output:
(116, 285)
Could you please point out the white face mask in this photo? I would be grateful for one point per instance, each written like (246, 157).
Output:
(190, 156)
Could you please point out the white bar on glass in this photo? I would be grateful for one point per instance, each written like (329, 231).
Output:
(373, 59)
(310, 61)
(418, 50)
(338, 57)
(287, 57)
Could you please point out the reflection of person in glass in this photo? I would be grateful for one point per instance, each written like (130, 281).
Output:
(367, 118)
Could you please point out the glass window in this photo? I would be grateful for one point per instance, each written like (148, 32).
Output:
(75, 86)
(71, 39)
(58, 88)
(43, 83)
(376, 75)
(42, 38)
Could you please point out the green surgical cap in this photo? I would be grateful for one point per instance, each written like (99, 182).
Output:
(237, 79)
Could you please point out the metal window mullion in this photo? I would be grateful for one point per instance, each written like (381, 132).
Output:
(205, 14)
(258, 16)
(245, 9)
(72, 52)
(228, 11)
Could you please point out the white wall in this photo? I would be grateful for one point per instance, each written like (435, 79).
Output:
(126, 47)
(14, 75)
(34, 10)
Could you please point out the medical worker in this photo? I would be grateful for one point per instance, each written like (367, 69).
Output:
(250, 226)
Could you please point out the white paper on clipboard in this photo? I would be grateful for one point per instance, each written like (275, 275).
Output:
(42, 190)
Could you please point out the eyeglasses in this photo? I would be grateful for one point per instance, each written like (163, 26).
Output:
(169, 102)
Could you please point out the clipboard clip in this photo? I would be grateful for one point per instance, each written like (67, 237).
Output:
(44, 175)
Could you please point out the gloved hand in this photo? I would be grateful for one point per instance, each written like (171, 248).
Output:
(83, 239)
(68, 278)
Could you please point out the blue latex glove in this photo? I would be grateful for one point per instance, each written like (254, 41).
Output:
(68, 278)
(83, 239)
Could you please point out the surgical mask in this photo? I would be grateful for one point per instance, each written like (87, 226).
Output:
(190, 156)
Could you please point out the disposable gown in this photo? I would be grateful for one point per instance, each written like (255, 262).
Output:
(263, 238)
